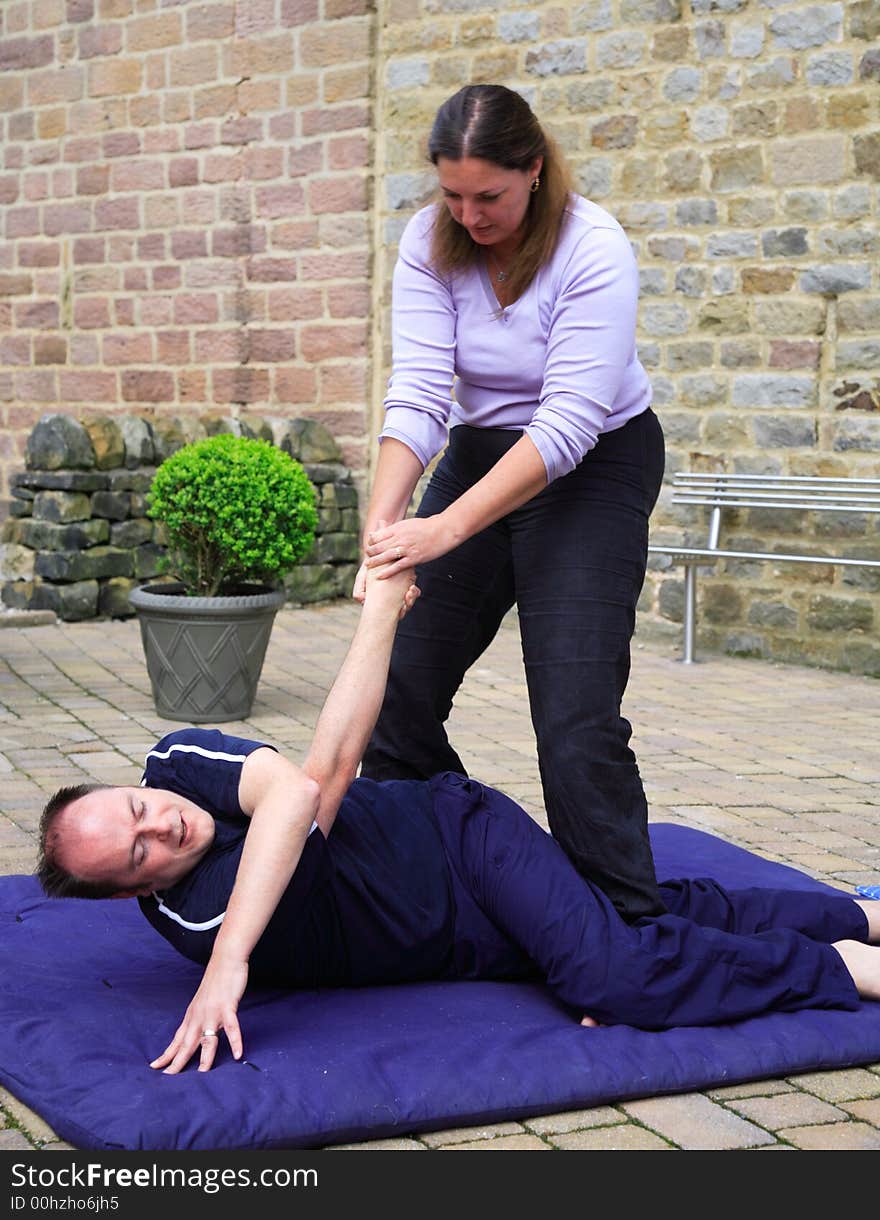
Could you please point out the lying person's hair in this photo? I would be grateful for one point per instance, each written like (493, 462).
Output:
(57, 881)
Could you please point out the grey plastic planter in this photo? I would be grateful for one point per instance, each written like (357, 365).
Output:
(204, 654)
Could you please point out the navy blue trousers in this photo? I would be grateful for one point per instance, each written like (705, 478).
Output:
(573, 560)
(716, 956)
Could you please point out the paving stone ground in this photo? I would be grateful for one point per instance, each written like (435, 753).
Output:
(778, 759)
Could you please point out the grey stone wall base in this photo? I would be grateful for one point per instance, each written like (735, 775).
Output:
(79, 540)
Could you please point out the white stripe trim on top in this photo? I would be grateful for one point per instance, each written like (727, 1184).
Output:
(192, 927)
(190, 749)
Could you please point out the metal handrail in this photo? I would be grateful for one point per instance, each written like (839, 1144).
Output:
(783, 488)
(716, 553)
(805, 492)
(820, 480)
(721, 500)
(810, 493)
(779, 489)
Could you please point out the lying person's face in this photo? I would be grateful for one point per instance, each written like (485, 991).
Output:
(136, 839)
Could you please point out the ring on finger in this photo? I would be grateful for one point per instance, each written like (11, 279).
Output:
(209, 1033)
(400, 552)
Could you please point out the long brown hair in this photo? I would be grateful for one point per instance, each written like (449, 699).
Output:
(494, 123)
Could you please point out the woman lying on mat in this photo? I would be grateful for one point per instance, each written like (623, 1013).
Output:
(308, 877)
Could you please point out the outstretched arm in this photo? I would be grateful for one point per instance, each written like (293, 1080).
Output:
(283, 801)
(352, 707)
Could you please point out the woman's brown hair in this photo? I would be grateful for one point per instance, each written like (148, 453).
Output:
(494, 123)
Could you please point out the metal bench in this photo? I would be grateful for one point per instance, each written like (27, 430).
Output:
(732, 491)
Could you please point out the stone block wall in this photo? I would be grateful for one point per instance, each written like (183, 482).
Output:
(79, 538)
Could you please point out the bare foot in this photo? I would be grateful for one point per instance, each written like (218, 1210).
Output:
(863, 963)
(590, 1023)
(871, 907)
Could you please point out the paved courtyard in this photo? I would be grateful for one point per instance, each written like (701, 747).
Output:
(780, 760)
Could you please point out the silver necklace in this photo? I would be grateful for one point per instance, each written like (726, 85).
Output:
(500, 276)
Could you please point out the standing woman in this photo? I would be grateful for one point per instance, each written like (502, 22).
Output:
(524, 295)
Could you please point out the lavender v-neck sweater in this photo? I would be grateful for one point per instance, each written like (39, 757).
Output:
(559, 363)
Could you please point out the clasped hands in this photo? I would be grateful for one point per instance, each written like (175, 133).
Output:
(402, 546)
(386, 583)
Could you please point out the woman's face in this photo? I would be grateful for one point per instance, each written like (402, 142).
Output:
(486, 199)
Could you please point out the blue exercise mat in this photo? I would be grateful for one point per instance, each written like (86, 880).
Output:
(90, 994)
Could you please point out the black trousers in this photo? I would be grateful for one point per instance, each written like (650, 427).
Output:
(573, 560)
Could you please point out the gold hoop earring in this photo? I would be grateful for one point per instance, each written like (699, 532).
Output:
(536, 182)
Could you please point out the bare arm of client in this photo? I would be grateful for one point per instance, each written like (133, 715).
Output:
(283, 800)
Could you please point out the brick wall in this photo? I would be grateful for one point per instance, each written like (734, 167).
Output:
(738, 142)
(183, 211)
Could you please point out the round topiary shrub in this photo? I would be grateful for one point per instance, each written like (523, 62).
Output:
(234, 511)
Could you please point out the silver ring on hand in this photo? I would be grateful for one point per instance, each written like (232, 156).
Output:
(400, 553)
(209, 1033)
